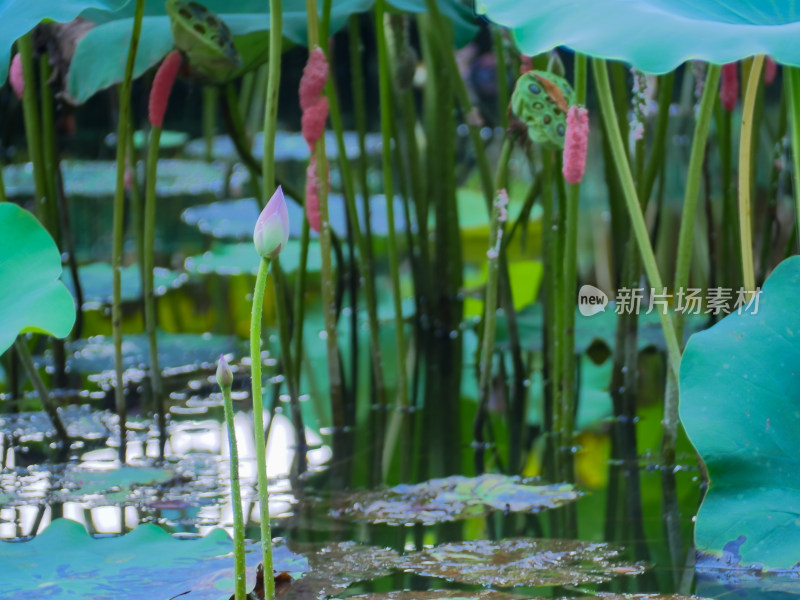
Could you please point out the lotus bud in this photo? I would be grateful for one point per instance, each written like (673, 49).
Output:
(272, 228)
(162, 87)
(224, 374)
(15, 76)
(576, 142)
(729, 87)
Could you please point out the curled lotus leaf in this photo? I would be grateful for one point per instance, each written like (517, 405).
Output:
(453, 498)
(521, 562)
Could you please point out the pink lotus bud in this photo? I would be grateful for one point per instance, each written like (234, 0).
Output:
(770, 70)
(315, 74)
(312, 123)
(576, 142)
(272, 228)
(312, 196)
(729, 87)
(162, 87)
(15, 76)
(224, 374)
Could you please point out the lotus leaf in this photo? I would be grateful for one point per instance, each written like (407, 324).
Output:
(654, 35)
(32, 299)
(740, 406)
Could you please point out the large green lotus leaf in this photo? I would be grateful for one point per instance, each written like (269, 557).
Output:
(18, 17)
(740, 406)
(65, 562)
(32, 299)
(99, 59)
(453, 498)
(521, 562)
(654, 35)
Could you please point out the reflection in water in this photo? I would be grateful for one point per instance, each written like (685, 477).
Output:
(189, 493)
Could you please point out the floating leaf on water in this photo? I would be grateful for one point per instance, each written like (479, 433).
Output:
(453, 498)
(96, 281)
(521, 562)
(80, 421)
(740, 386)
(65, 562)
(336, 565)
(177, 352)
(234, 219)
(98, 178)
(437, 594)
(239, 259)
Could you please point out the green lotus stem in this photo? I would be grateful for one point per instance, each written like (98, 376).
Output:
(230, 110)
(210, 101)
(570, 281)
(792, 83)
(619, 155)
(746, 174)
(498, 217)
(502, 76)
(117, 232)
(3, 196)
(50, 162)
(385, 87)
(328, 281)
(225, 380)
(258, 423)
(148, 264)
(49, 405)
(692, 190)
(271, 105)
(298, 309)
(655, 162)
(362, 260)
(30, 113)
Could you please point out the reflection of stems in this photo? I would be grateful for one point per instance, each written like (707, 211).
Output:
(617, 149)
(258, 422)
(746, 174)
(792, 83)
(240, 583)
(44, 396)
(384, 73)
(119, 210)
(148, 263)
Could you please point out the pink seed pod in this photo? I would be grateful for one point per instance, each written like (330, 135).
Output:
(312, 196)
(312, 123)
(15, 76)
(770, 70)
(162, 87)
(576, 142)
(729, 87)
(315, 74)
(525, 64)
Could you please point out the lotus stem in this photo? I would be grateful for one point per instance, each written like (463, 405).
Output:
(30, 113)
(619, 155)
(792, 83)
(117, 233)
(49, 405)
(225, 381)
(746, 174)
(258, 423)
(385, 86)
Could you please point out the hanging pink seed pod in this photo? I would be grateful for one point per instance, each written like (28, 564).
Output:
(162, 87)
(770, 70)
(576, 143)
(315, 74)
(312, 123)
(15, 76)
